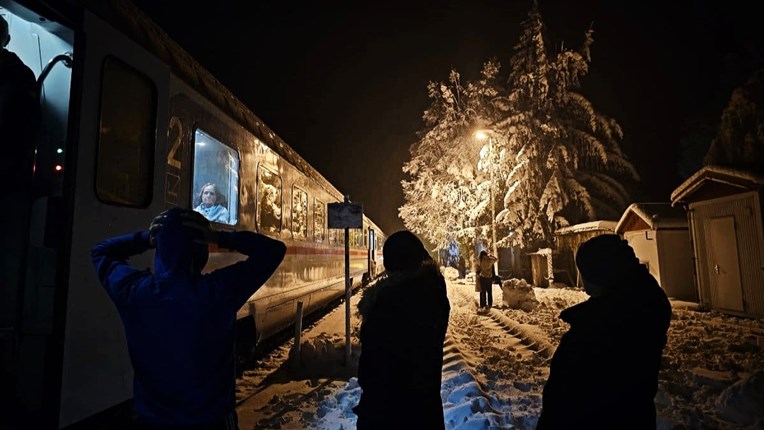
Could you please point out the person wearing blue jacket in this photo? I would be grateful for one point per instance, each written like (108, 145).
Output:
(180, 323)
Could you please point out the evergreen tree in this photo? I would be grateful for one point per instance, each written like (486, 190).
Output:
(552, 159)
(566, 165)
(739, 141)
(446, 197)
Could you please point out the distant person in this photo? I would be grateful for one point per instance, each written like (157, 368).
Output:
(404, 319)
(210, 205)
(179, 323)
(604, 374)
(486, 276)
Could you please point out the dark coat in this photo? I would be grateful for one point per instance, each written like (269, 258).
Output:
(604, 374)
(180, 326)
(404, 319)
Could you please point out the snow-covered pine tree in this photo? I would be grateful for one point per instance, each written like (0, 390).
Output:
(563, 163)
(446, 195)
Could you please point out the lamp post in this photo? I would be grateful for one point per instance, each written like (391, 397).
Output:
(485, 134)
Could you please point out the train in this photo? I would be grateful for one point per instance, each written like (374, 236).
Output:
(132, 125)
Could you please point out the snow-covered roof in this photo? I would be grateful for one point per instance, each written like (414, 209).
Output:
(655, 215)
(722, 175)
(588, 226)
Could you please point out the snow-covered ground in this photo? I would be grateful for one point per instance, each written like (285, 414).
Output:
(496, 364)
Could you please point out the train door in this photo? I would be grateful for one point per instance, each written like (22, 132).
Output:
(31, 238)
(117, 187)
(371, 251)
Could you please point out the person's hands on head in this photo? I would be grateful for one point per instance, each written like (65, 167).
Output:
(198, 222)
(155, 226)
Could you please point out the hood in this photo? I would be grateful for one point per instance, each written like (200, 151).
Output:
(180, 249)
(402, 286)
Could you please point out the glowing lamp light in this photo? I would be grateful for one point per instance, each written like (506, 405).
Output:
(59, 151)
(59, 167)
(481, 135)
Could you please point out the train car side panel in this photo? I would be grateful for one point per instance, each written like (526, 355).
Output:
(114, 192)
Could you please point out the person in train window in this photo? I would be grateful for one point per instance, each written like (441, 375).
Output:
(404, 319)
(210, 204)
(270, 210)
(180, 324)
(604, 373)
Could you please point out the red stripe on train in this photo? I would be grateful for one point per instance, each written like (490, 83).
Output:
(305, 250)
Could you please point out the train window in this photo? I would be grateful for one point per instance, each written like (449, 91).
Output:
(269, 200)
(216, 179)
(299, 213)
(336, 236)
(333, 236)
(319, 221)
(125, 161)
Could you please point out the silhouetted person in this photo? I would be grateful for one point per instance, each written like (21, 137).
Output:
(485, 277)
(19, 122)
(179, 323)
(604, 374)
(19, 115)
(404, 319)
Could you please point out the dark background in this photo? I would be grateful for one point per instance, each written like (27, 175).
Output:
(344, 82)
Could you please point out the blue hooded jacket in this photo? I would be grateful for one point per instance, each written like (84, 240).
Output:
(180, 324)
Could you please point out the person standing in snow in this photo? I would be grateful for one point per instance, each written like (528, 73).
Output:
(604, 374)
(404, 319)
(179, 323)
(485, 278)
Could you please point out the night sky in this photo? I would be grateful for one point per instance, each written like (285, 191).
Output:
(344, 82)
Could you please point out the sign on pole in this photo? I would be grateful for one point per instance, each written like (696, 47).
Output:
(346, 215)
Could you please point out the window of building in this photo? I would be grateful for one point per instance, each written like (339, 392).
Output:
(125, 161)
(269, 200)
(216, 179)
(319, 221)
(299, 213)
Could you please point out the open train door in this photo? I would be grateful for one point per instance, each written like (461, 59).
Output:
(115, 185)
(372, 252)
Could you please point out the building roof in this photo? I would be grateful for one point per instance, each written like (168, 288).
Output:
(715, 181)
(588, 226)
(653, 216)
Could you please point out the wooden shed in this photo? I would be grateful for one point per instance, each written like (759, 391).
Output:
(567, 241)
(658, 232)
(541, 268)
(725, 208)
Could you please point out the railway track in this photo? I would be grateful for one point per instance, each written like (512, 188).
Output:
(495, 358)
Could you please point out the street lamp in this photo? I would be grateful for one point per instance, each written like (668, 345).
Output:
(485, 134)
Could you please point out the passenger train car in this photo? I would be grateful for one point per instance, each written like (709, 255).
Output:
(132, 125)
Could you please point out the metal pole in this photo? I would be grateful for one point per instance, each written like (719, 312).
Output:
(493, 210)
(347, 299)
(298, 331)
